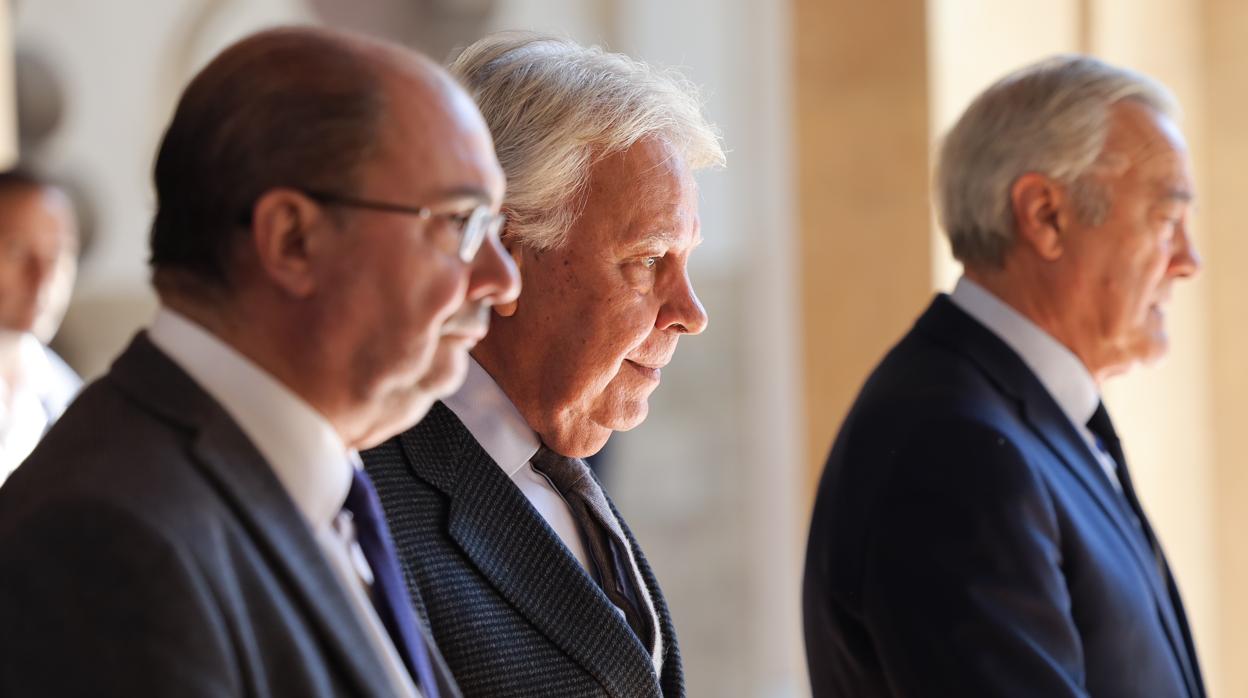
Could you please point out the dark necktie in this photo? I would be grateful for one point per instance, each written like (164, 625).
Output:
(1101, 427)
(604, 538)
(389, 593)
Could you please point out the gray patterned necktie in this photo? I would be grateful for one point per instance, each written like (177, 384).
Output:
(604, 538)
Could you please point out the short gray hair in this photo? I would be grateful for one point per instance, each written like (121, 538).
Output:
(1049, 118)
(555, 108)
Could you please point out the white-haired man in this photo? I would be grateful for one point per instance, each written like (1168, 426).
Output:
(530, 580)
(976, 532)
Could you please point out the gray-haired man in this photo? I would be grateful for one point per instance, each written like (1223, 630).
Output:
(976, 531)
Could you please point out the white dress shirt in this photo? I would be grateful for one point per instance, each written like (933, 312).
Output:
(496, 424)
(42, 388)
(1060, 372)
(306, 454)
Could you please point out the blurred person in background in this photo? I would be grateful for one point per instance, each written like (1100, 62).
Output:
(38, 263)
(529, 577)
(976, 531)
(196, 524)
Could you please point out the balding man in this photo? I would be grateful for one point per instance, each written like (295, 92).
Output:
(324, 248)
(976, 531)
(531, 580)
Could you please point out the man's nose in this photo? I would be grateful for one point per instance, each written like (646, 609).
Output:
(1185, 260)
(683, 312)
(493, 276)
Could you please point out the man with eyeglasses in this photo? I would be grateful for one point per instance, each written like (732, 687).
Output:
(325, 249)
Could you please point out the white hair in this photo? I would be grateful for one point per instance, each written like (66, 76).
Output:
(1049, 118)
(555, 108)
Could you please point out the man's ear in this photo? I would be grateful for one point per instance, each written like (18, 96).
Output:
(516, 250)
(284, 228)
(1040, 214)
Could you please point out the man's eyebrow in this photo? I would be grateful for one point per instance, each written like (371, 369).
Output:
(464, 194)
(1179, 193)
(657, 236)
(667, 239)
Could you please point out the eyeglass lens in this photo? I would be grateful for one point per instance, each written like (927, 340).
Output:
(481, 222)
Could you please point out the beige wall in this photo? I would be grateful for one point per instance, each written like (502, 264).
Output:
(1164, 411)
(862, 132)
(968, 51)
(1182, 420)
(8, 108)
(1224, 209)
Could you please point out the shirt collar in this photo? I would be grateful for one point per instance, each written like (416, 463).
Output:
(1059, 371)
(305, 452)
(35, 367)
(493, 420)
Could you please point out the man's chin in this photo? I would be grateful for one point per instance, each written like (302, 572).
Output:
(402, 411)
(584, 443)
(630, 417)
(1147, 350)
(1155, 348)
(447, 373)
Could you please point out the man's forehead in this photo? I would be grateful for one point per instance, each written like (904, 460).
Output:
(440, 143)
(36, 199)
(1147, 146)
(1141, 132)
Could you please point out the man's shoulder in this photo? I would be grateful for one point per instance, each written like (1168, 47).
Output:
(109, 451)
(920, 377)
(436, 450)
(926, 402)
(105, 437)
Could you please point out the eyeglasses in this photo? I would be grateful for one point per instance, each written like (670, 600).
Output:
(472, 227)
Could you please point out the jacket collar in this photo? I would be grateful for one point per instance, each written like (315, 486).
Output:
(246, 482)
(951, 327)
(513, 547)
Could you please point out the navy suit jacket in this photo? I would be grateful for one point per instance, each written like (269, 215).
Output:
(966, 542)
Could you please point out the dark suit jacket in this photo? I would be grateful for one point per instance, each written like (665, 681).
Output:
(147, 549)
(966, 542)
(510, 607)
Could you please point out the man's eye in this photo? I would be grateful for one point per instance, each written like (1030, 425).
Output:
(650, 262)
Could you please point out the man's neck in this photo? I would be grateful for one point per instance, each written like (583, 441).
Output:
(10, 355)
(1027, 296)
(259, 337)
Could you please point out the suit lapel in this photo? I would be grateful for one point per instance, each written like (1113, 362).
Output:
(512, 546)
(673, 678)
(246, 482)
(953, 328)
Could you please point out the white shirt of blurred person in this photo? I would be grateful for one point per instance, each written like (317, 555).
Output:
(38, 263)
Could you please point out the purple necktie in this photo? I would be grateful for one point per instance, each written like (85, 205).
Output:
(389, 593)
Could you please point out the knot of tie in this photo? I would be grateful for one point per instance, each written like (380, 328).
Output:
(567, 474)
(1101, 425)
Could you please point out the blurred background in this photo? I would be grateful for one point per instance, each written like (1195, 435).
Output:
(820, 252)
